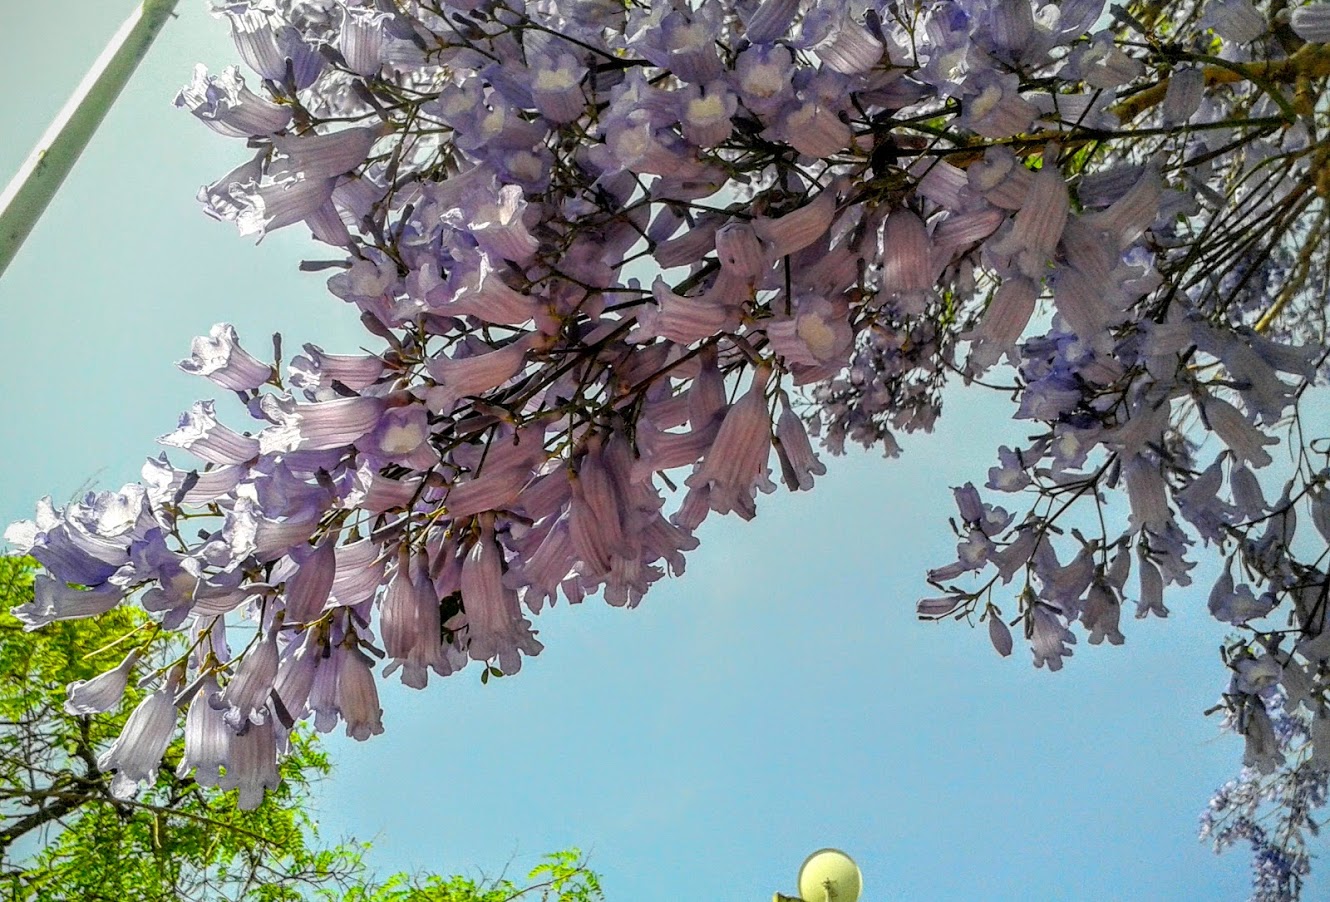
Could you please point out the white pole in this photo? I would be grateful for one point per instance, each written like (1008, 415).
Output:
(25, 197)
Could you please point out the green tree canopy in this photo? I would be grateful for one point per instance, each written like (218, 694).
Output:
(63, 835)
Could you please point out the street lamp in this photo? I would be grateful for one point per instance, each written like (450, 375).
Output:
(828, 875)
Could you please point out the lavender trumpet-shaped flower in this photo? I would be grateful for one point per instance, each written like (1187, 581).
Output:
(251, 765)
(228, 107)
(138, 750)
(208, 737)
(735, 466)
(101, 693)
(220, 359)
(245, 698)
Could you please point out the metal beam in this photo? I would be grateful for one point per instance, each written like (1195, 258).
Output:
(26, 196)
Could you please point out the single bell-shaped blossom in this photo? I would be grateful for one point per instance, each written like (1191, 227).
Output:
(308, 587)
(318, 426)
(636, 144)
(539, 574)
(1101, 614)
(770, 20)
(1200, 504)
(946, 185)
(1245, 441)
(1235, 20)
(362, 39)
(596, 513)
(739, 250)
(220, 359)
(296, 671)
(1001, 178)
(959, 232)
(401, 437)
(269, 47)
(200, 433)
(1186, 90)
(1088, 308)
(1311, 22)
(798, 462)
(320, 156)
(556, 87)
(225, 198)
(762, 76)
(1262, 751)
(495, 627)
(1319, 501)
(165, 482)
(1131, 214)
(1148, 495)
(999, 634)
(479, 290)
(814, 129)
(1236, 605)
(993, 107)
(497, 225)
(225, 105)
(1066, 585)
(799, 228)
(684, 319)
(263, 208)
(459, 377)
(245, 698)
(705, 113)
(358, 695)
(1248, 499)
(1010, 28)
(322, 695)
(1005, 319)
(1102, 64)
(497, 481)
(101, 693)
(907, 264)
(317, 371)
(688, 42)
(138, 750)
(1050, 640)
(735, 466)
(248, 531)
(1012, 558)
(1037, 226)
(409, 622)
(1259, 674)
(251, 765)
(1152, 590)
(207, 737)
(848, 48)
(360, 567)
(706, 393)
(54, 600)
(817, 335)
(1009, 475)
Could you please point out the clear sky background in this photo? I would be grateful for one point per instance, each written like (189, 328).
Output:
(779, 697)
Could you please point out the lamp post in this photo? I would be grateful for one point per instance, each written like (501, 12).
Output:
(29, 192)
(828, 875)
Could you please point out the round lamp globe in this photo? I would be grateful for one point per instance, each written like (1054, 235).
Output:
(829, 875)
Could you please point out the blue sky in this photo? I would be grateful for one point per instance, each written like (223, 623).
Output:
(778, 698)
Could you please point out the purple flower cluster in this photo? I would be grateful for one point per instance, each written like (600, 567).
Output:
(838, 205)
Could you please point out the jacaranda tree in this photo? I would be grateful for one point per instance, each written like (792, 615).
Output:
(621, 258)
